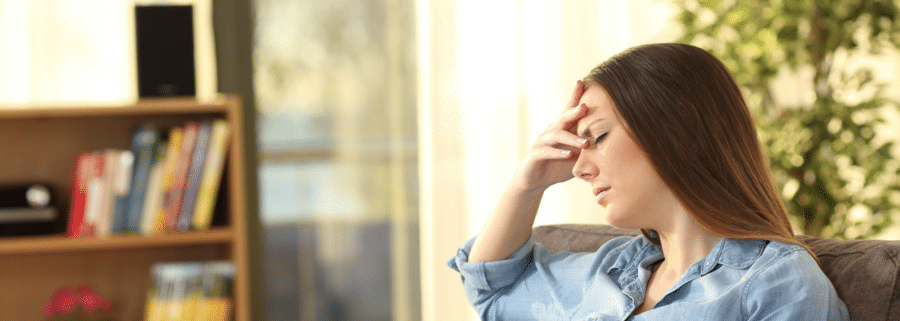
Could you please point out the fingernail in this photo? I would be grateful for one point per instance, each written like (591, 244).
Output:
(582, 141)
(567, 152)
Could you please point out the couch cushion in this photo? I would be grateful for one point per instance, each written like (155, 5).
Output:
(865, 273)
(577, 237)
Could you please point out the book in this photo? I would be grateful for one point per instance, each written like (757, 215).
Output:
(191, 291)
(84, 164)
(175, 199)
(216, 286)
(117, 176)
(94, 194)
(176, 138)
(153, 201)
(143, 147)
(192, 185)
(212, 174)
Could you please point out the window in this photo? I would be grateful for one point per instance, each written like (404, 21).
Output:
(335, 84)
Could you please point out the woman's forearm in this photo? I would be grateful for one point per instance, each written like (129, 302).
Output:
(509, 225)
(549, 161)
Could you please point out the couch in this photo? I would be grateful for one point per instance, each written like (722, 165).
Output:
(864, 272)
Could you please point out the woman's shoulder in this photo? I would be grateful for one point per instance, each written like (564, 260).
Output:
(787, 261)
(776, 252)
(786, 275)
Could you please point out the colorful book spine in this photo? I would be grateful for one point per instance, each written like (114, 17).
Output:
(198, 162)
(212, 175)
(153, 202)
(158, 185)
(176, 139)
(175, 201)
(94, 199)
(84, 165)
(143, 147)
(118, 183)
(191, 291)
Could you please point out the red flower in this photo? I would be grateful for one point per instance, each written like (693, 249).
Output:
(49, 309)
(69, 301)
(90, 300)
(65, 301)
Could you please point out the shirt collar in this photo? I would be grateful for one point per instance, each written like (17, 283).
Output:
(736, 253)
(637, 254)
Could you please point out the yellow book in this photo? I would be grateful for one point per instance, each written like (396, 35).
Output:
(152, 311)
(212, 175)
(189, 312)
(153, 201)
(219, 309)
(217, 304)
(213, 309)
(176, 137)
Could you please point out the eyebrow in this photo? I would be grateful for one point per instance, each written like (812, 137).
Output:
(587, 128)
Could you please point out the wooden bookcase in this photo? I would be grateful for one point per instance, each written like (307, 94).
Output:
(40, 143)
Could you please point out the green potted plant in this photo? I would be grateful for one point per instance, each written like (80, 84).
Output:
(837, 175)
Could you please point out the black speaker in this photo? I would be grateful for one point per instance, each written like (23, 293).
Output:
(165, 51)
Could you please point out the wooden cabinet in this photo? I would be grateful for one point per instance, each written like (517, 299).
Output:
(40, 143)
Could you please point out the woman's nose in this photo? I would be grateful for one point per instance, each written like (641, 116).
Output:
(584, 168)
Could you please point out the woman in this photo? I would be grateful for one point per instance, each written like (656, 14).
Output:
(666, 141)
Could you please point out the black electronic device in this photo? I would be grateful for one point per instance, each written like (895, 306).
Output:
(165, 50)
(29, 209)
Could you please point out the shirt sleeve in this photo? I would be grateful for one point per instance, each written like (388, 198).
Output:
(483, 280)
(793, 288)
(532, 284)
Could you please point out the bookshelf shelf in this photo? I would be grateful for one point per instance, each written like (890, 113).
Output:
(41, 143)
(155, 106)
(57, 244)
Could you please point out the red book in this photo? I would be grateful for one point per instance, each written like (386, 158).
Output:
(175, 199)
(79, 192)
(82, 218)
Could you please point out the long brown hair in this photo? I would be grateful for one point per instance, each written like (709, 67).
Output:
(684, 108)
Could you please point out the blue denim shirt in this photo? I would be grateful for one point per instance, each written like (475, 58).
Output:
(738, 280)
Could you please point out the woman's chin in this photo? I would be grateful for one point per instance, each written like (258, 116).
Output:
(620, 220)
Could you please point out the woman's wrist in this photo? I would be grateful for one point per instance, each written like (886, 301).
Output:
(526, 190)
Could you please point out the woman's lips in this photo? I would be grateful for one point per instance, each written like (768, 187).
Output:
(599, 192)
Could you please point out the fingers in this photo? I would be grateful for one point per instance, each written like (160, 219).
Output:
(547, 152)
(559, 142)
(576, 94)
(561, 139)
(569, 118)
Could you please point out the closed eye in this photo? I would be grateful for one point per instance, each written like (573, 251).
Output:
(600, 138)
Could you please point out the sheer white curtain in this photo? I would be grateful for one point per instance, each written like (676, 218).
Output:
(63, 50)
(76, 51)
(493, 75)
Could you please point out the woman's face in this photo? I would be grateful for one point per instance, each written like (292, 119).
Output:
(620, 173)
